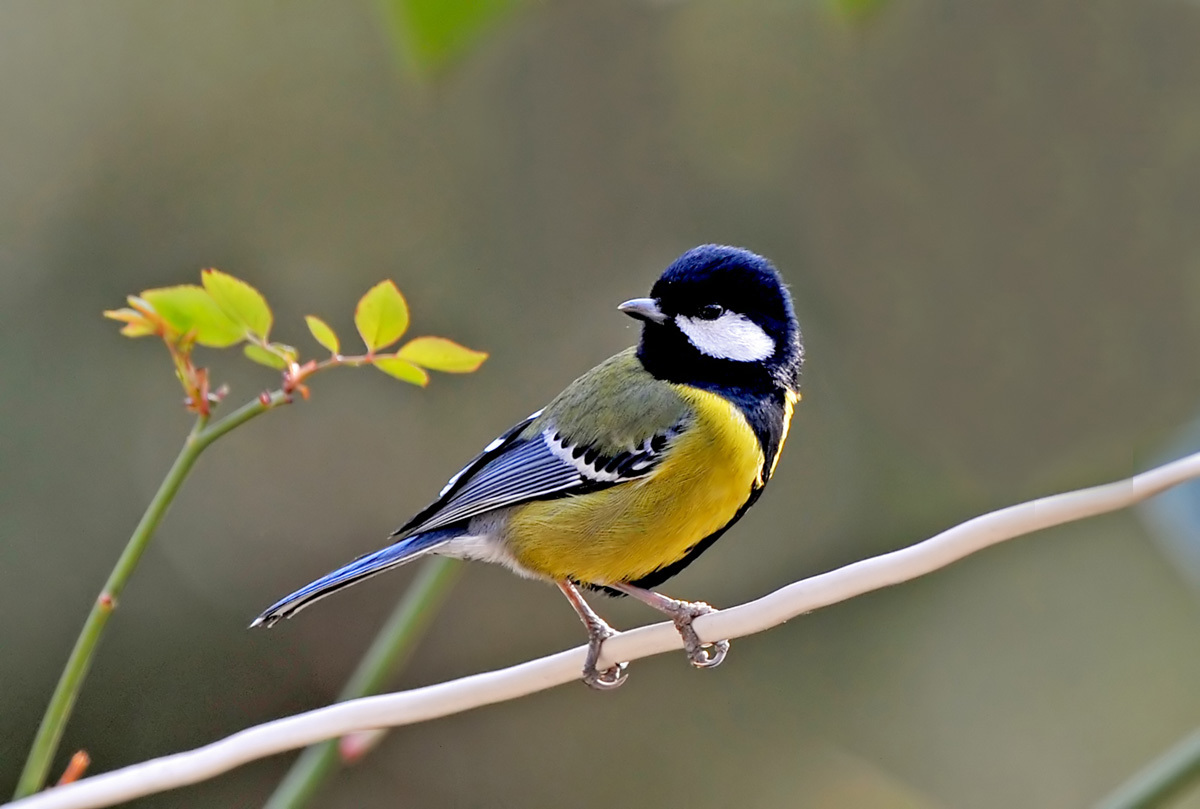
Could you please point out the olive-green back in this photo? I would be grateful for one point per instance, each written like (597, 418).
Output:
(613, 407)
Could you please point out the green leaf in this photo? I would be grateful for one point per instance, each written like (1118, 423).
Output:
(240, 301)
(264, 357)
(189, 308)
(402, 370)
(381, 316)
(323, 334)
(431, 33)
(440, 354)
(859, 11)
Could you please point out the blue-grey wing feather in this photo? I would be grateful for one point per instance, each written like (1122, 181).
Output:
(518, 469)
(526, 471)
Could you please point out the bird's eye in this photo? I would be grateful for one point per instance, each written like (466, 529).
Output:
(710, 312)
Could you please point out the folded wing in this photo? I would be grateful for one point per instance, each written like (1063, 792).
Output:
(519, 467)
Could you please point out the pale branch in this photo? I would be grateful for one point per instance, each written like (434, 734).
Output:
(431, 702)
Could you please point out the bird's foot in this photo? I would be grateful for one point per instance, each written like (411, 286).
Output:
(701, 655)
(598, 632)
(609, 678)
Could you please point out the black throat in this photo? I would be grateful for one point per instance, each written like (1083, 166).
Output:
(756, 391)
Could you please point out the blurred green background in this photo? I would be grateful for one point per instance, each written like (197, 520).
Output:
(987, 213)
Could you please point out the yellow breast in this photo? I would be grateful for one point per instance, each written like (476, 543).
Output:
(630, 530)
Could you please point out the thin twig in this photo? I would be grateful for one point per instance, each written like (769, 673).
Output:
(62, 701)
(418, 705)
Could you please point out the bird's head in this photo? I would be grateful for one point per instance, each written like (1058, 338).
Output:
(720, 316)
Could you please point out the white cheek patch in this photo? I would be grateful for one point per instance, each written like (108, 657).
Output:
(729, 337)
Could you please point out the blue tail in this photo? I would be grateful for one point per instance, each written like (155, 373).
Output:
(363, 567)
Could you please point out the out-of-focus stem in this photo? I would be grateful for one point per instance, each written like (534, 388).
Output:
(1161, 780)
(395, 641)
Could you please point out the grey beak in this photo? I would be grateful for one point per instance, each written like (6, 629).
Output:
(643, 309)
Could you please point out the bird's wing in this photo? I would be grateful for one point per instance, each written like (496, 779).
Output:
(549, 455)
(544, 465)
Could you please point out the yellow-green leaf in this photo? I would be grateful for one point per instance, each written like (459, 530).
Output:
(240, 301)
(323, 334)
(136, 324)
(126, 315)
(402, 370)
(189, 308)
(284, 350)
(381, 316)
(440, 354)
(264, 357)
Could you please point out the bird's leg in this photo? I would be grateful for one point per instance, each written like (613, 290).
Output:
(702, 655)
(598, 632)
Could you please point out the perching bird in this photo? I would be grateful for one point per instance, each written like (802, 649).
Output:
(638, 466)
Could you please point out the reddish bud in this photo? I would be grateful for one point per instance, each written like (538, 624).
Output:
(76, 768)
(264, 399)
(353, 746)
(107, 601)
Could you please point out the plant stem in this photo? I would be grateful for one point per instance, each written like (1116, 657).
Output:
(395, 641)
(1160, 780)
(62, 702)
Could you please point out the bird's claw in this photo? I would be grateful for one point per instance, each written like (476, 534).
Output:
(598, 632)
(609, 678)
(701, 655)
(710, 655)
(606, 680)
